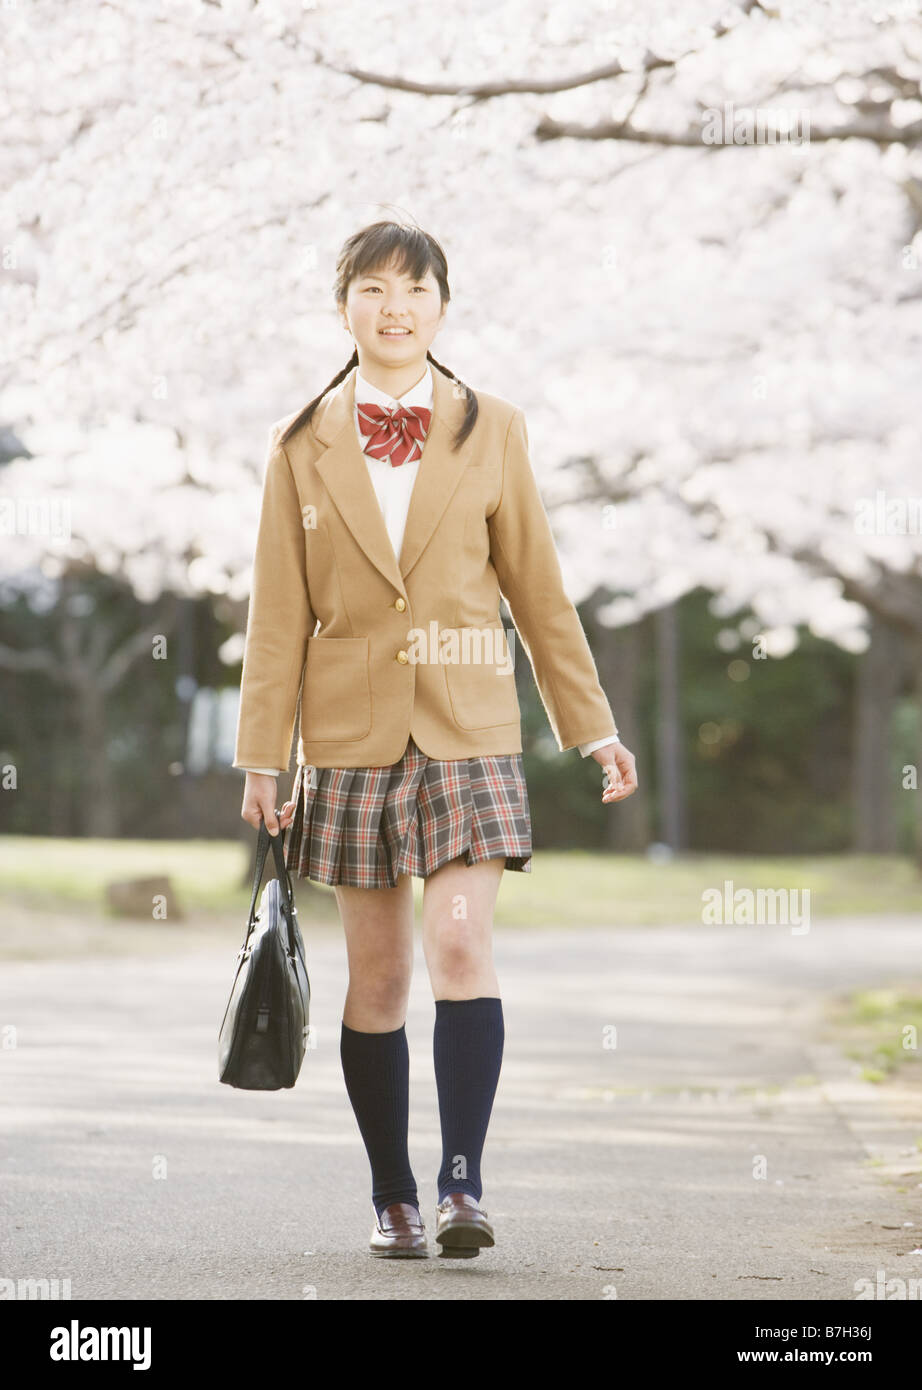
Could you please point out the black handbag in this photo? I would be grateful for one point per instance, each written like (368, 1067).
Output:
(263, 1035)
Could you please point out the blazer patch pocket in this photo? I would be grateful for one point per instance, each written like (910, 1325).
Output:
(480, 695)
(336, 699)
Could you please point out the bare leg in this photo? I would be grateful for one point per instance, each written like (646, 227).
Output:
(458, 904)
(378, 925)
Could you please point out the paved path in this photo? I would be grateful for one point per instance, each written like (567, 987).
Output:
(609, 1172)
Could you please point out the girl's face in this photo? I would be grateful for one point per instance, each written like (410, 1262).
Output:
(384, 299)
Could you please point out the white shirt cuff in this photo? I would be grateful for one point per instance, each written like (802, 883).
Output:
(587, 748)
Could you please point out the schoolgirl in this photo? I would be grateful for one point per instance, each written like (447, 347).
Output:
(399, 504)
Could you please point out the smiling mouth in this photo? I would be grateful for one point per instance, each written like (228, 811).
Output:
(395, 332)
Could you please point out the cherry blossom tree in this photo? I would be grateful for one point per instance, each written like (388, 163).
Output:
(684, 238)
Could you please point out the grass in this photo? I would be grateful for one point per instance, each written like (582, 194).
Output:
(631, 890)
(880, 1029)
(574, 887)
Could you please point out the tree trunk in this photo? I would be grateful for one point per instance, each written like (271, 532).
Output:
(670, 762)
(96, 810)
(880, 675)
(58, 803)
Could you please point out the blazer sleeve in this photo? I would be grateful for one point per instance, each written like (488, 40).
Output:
(524, 555)
(279, 622)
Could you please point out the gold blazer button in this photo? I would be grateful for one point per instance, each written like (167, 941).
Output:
(402, 658)
(400, 605)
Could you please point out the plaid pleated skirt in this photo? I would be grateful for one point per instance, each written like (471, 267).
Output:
(363, 826)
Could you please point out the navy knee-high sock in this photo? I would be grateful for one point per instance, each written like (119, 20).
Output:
(468, 1052)
(376, 1069)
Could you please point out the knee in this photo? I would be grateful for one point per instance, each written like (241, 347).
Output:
(382, 989)
(460, 947)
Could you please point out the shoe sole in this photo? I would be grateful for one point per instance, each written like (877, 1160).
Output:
(400, 1254)
(462, 1241)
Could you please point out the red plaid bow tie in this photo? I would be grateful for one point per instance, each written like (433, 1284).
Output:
(397, 435)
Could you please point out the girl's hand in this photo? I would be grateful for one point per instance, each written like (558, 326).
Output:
(618, 762)
(259, 796)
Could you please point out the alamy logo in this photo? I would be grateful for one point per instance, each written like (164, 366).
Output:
(757, 906)
(464, 646)
(76, 1343)
(39, 515)
(888, 1289)
(28, 1289)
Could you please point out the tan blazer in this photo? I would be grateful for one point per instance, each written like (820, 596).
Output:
(381, 649)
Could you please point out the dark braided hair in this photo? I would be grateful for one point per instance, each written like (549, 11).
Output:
(412, 252)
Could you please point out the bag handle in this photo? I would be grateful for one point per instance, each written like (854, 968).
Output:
(262, 849)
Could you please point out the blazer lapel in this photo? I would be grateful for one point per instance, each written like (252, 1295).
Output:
(345, 475)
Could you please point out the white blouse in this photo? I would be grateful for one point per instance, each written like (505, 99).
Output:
(393, 487)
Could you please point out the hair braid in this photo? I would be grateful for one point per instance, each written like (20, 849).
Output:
(467, 424)
(472, 410)
(307, 413)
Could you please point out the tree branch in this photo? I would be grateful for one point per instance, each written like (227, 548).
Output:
(123, 658)
(34, 660)
(881, 133)
(512, 86)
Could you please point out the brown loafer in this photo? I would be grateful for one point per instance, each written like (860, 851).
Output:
(399, 1232)
(462, 1226)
